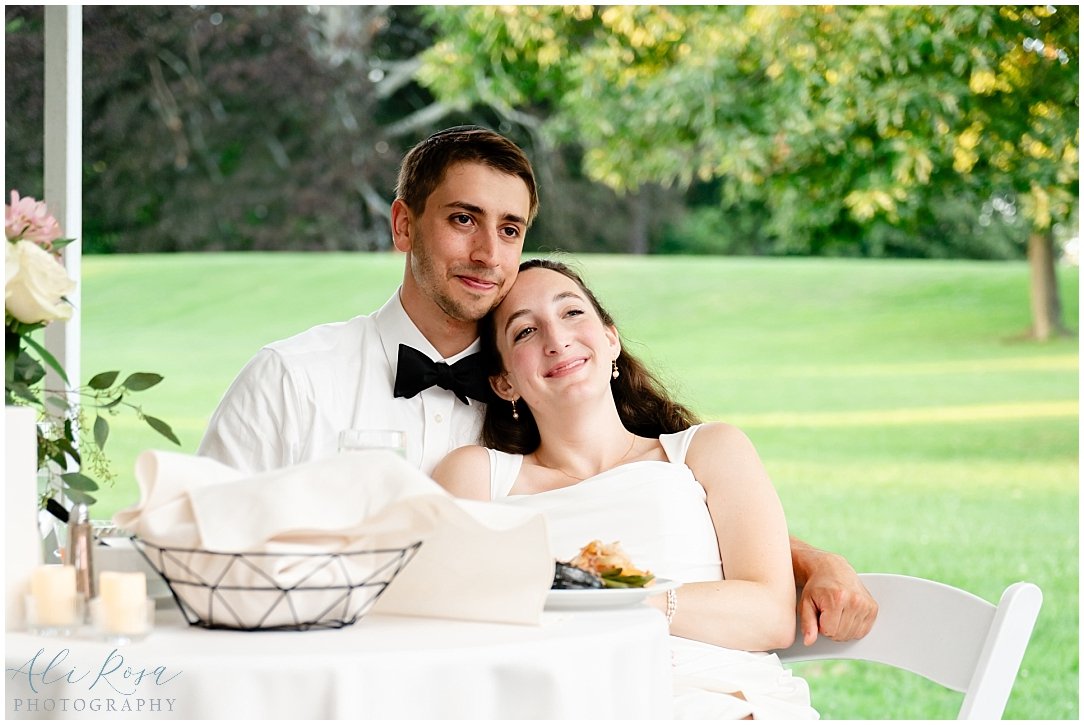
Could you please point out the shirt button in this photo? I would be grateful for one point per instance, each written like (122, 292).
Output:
(438, 418)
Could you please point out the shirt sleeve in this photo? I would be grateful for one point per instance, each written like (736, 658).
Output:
(255, 426)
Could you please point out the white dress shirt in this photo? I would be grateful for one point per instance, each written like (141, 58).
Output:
(290, 401)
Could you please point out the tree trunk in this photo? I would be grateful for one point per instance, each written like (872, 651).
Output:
(640, 224)
(1045, 301)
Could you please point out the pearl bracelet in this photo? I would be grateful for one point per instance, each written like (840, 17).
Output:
(671, 605)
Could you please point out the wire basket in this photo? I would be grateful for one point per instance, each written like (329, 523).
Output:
(275, 591)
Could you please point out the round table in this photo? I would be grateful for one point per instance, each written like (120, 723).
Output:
(606, 663)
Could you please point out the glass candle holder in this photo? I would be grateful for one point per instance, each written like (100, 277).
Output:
(362, 439)
(56, 617)
(122, 623)
(53, 606)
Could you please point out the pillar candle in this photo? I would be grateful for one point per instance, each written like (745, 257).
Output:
(53, 590)
(123, 599)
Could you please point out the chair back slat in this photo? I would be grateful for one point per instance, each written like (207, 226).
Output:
(944, 634)
(1003, 652)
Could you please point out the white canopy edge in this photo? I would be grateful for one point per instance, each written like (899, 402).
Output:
(63, 160)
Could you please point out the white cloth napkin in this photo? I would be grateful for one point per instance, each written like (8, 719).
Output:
(478, 561)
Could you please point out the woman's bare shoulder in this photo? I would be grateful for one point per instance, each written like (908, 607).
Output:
(465, 473)
(722, 451)
(710, 436)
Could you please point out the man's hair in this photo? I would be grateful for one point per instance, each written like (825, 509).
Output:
(643, 404)
(425, 165)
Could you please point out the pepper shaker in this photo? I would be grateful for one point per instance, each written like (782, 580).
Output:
(80, 551)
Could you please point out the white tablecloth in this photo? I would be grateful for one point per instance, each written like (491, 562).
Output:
(577, 665)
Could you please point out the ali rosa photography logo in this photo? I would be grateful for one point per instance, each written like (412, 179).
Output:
(55, 683)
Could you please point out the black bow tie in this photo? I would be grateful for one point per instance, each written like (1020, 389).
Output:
(415, 372)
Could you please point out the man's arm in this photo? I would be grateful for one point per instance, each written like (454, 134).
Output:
(833, 600)
(252, 428)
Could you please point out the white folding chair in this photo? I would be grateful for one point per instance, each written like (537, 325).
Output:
(944, 634)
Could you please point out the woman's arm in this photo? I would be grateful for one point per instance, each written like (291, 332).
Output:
(753, 608)
(464, 473)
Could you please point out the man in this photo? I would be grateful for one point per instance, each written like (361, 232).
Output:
(464, 201)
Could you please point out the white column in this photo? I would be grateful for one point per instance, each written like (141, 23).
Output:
(64, 167)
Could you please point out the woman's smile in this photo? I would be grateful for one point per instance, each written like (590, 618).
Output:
(566, 368)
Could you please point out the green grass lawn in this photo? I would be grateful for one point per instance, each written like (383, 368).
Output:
(903, 419)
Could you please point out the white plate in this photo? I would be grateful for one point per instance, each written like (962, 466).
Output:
(605, 598)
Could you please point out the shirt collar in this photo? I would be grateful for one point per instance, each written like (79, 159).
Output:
(395, 327)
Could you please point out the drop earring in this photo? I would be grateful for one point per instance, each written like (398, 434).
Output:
(515, 413)
(616, 373)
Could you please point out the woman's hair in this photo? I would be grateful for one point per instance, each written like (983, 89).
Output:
(425, 165)
(644, 406)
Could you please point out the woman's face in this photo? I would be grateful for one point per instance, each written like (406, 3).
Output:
(551, 340)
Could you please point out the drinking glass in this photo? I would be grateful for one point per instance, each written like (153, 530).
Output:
(367, 439)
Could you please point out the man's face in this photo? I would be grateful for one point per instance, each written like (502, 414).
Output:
(466, 245)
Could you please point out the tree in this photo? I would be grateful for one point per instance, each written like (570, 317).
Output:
(243, 127)
(847, 126)
(259, 128)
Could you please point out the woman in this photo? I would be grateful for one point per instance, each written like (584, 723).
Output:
(589, 438)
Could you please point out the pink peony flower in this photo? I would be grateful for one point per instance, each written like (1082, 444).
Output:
(27, 218)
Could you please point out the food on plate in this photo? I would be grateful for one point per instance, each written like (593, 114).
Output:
(610, 564)
(569, 577)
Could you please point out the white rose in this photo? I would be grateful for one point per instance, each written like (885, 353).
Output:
(11, 268)
(34, 283)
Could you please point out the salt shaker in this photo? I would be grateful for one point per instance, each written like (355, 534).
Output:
(80, 551)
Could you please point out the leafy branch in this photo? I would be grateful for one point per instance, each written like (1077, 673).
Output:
(72, 431)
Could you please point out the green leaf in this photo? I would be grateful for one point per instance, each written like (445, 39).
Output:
(101, 431)
(80, 497)
(113, 403)
(57, 402)
(48, 358)
(65, 445)
(162, 427)
(27, 369)
(23, 391)
(79, 481)
(142, 381)
(23, 329)
(102, 381)
(11, 353)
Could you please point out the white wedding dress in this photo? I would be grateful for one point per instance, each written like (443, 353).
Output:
(657, 510)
